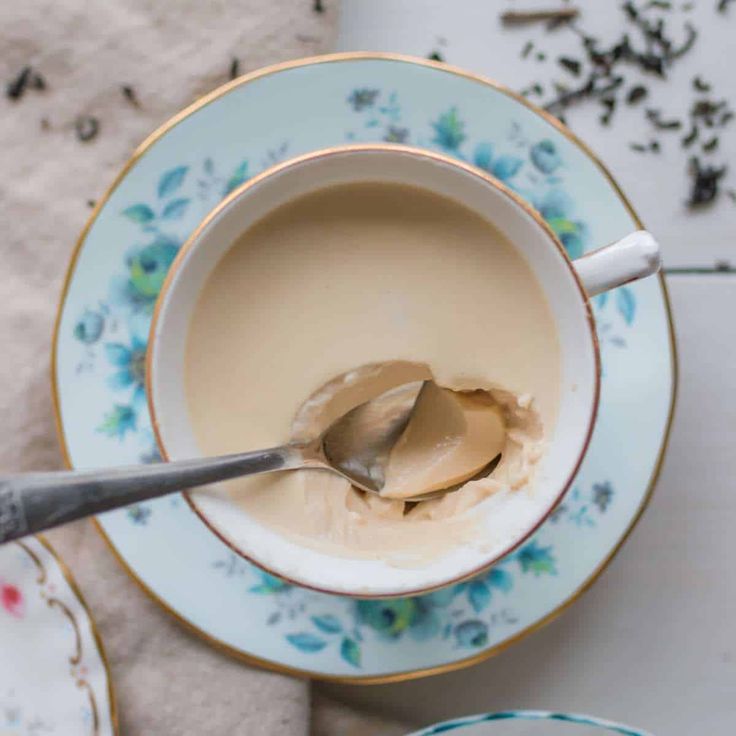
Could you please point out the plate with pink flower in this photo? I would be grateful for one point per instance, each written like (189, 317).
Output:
(53, 672)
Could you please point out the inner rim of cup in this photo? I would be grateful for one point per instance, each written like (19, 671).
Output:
(213, 238)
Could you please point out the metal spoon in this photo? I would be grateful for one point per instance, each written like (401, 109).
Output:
(356, 446)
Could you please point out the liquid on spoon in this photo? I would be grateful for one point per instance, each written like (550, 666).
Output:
(450, 437)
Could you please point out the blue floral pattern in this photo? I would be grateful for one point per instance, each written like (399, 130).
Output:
(464, 613)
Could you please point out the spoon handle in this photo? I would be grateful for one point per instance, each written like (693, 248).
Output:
(32, 502)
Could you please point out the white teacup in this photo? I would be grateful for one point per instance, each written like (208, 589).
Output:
(566, 285)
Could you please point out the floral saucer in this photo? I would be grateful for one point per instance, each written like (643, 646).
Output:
(53, 672)
(172, 181)
(528, 723)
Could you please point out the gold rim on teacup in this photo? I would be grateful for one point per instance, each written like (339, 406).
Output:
(293, 163)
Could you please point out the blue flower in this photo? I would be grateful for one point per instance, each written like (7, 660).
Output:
(395, 134)
(361, 99)
(556, 207)
(544, 156)
(119, 421)
(536, 559)
(504, 167)
(138, 514)
(89, 327)
(130, 362)
(472, 633)
(448, 130)
(388, 617)
(270, 584)
(602, 495)
(147, 269)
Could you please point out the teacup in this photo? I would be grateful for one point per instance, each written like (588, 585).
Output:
(567, 286)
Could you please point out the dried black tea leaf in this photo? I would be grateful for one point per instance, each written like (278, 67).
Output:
(17, 86)
(636, 94)
(86, 127)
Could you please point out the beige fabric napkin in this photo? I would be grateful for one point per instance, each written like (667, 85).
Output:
(167, 681)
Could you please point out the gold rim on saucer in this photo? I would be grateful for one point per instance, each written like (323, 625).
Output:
(203, 102)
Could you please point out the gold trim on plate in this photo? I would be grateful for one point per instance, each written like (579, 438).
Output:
(76, 657)
(203, 102)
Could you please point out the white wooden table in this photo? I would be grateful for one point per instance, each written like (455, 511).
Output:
(654, 642)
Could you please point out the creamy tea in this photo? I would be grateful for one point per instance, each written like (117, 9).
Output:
(337, 296)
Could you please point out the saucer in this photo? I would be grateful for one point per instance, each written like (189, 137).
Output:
(53, 672)
(174, 178)
(521, 722)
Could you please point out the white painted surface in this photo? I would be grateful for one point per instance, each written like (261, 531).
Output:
(468, 33)
(652, 643)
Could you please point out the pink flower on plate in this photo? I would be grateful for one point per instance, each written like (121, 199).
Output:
(11, 600)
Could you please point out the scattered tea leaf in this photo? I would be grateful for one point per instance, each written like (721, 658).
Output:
(655, 118)
(636, 94)
(523, 17)
(638, 147)
(318, 6)
(690, 138)
(38, 82)
(700, 85)
(45, 124)
(704, 182)
(87, 127)
(711, 145)
(541, 56)
(436, 56)
(572, 65)
(234, 68)
(528, 46)
(17, 86)
(91, 203)
(130, 95)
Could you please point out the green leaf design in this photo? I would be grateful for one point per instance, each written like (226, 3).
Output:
(562, 226)
(175, 209)
(171, 181)
(118, 422)
(350, 651)
(239, 176)
(140, 213)
(328, 623)
(306, 642)
(537, 560)
(479, 595)
(626, 304)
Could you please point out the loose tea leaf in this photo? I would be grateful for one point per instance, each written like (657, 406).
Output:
(636, 94)
(700, 85)
(690, 138)
(234, 68)
(523, 17)
(572, 65)
(528, 46)
(86, 127)
(130, 95)
(38, 82)
(17, 86)
(711, 145)
(704, 182)
(655, 118)
(436, 56)
(318, 6)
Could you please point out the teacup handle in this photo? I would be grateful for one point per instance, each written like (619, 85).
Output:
(634, 257)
